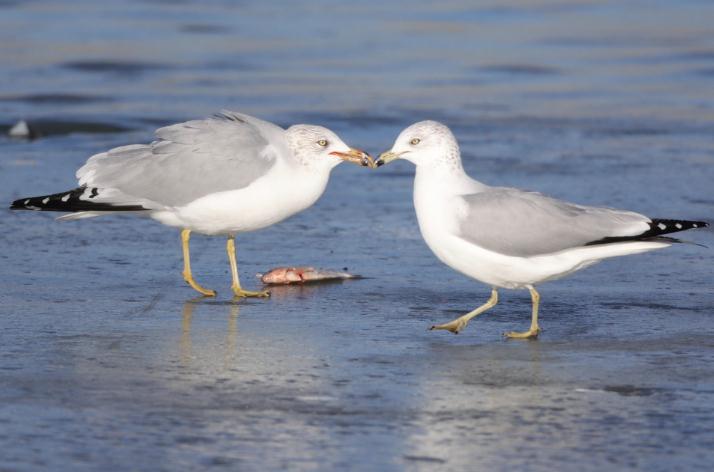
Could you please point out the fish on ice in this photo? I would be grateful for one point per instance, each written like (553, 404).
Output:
(298, 275)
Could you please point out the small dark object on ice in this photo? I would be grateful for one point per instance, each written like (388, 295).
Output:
(298, 275)
(22, 130)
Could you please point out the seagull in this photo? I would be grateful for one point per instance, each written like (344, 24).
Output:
(223, 175)
(511, 238)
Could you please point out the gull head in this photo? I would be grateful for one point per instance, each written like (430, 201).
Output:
(319, 148)
(426, 143)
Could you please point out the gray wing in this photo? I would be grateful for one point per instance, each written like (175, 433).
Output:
(189, 160)
(519, 223)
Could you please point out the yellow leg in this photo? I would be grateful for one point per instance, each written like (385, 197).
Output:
(460, 323)
(237, 290)
(532, 333)
(187, 275)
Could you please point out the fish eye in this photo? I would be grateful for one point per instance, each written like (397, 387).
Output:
(415, 141)
(322, 142)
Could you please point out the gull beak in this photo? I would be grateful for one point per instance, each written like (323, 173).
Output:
(386, 158)
(355, 156)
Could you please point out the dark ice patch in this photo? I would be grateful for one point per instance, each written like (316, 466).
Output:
(520, 69)
(630, 390)
(44, 127)
(55, 98)
(114, 67)
(203, 28)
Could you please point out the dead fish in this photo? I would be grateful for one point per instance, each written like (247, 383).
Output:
(298, 275)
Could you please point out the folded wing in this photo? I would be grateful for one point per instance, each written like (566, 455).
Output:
(187, 161)
(518, 223)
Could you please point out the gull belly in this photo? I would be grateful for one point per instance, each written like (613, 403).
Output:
(270, 199)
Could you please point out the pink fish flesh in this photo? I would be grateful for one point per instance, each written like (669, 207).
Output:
(298, 275)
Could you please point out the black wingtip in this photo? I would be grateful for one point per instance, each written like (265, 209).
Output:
(23, 204)
(70, 201)
(658, 228)
(663, 226)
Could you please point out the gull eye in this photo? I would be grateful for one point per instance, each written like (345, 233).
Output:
(322, 142)
(415, 141)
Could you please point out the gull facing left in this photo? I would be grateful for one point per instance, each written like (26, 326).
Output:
(223, 175)
(511, 238)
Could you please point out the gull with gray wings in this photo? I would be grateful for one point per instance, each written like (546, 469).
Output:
(511, 238)
(219, 176)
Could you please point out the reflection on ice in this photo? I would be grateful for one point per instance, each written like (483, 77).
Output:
(231, 334)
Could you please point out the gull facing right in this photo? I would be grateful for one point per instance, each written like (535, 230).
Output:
(220, 176)
(511, 238)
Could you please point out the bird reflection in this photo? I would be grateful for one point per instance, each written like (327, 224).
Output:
(304, 290)
(230, 344)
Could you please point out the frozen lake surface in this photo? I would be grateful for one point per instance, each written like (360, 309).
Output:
(108, 361)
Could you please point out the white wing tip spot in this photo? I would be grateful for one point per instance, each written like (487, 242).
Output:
(66, 197)
(26, 202)
(662, 226)
(678, 225)
(694, 225)
(45, 200)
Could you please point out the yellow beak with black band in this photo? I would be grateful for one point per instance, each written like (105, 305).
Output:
(386, 158)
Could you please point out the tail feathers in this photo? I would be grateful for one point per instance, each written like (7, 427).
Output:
(657, 228)
(81, 215)
(79, 199)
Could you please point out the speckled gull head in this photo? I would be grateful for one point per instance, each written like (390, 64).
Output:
(317, 147)
(426, 143)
